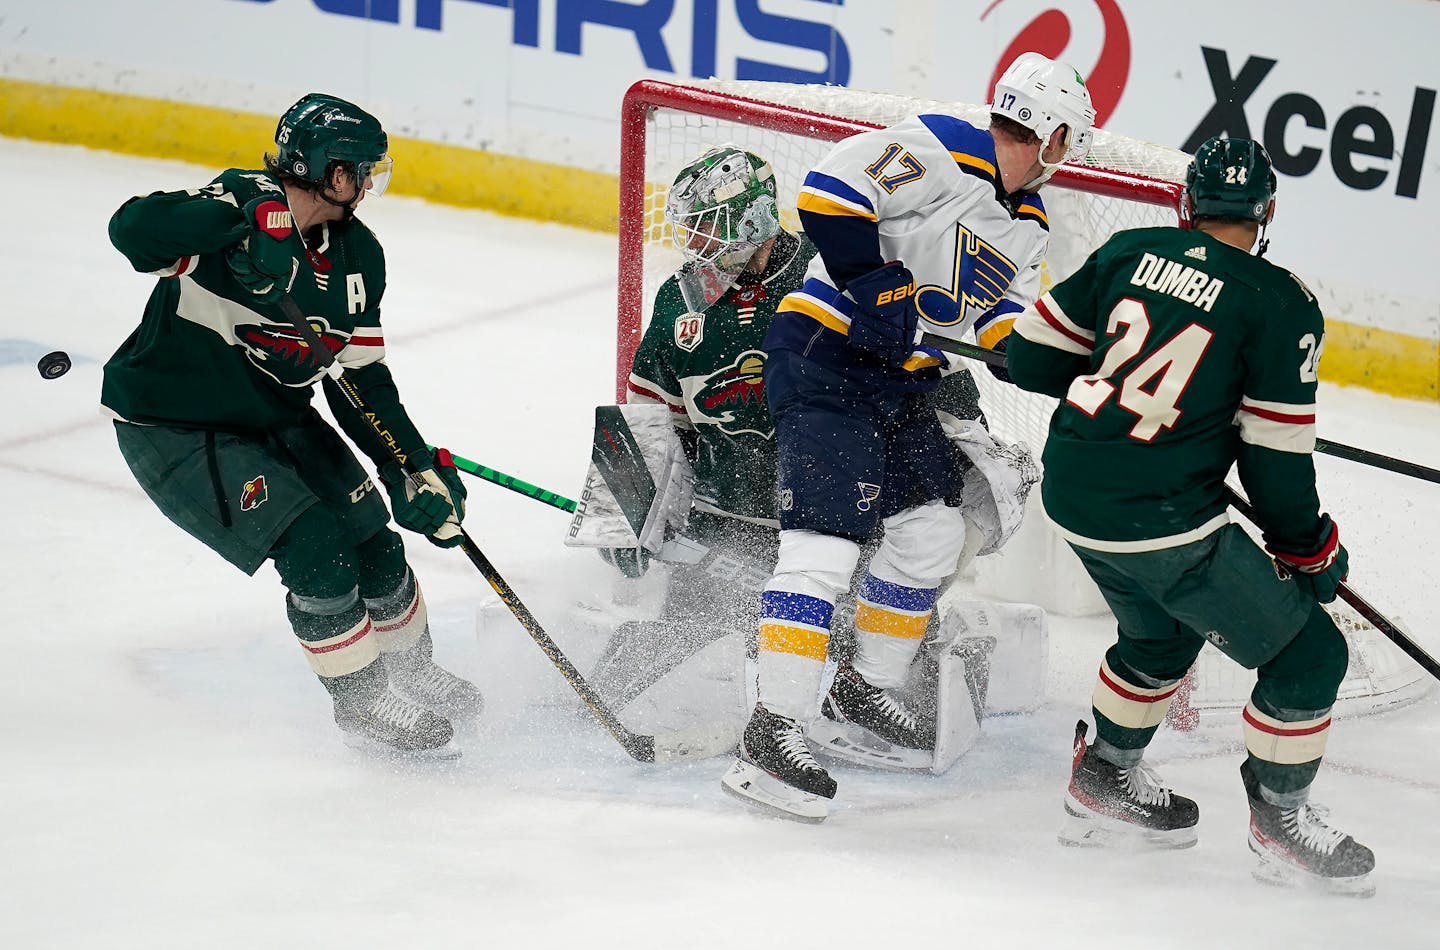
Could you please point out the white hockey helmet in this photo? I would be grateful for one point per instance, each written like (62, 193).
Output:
(1043, 94)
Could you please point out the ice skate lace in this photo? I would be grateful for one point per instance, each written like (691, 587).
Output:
(396, 711)
(1144, 786)
(1307, 824)
(891, 709)
(432, 681)
(791, 743)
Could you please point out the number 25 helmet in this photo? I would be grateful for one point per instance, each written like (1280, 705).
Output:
(321, 131)
(1043, 94)
(721, 209)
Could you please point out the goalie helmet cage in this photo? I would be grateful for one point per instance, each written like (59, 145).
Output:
(1123, 183)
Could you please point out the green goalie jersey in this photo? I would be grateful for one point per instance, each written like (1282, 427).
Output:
(709, 369)
(208, 355)
(1175, 356)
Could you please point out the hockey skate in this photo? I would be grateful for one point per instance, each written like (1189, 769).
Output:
(1295, 847)
(1106, 805)
(866, 725)
(776, 770)
(377, 718)
(415, 676)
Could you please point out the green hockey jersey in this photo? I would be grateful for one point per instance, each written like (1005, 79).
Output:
(208, 355)
(708, 367)
(1175, 357)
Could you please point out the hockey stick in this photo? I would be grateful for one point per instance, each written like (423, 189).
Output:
(1324, 446)
(1362, 606)
(642, 748)
(1366, 457)
(511, 482)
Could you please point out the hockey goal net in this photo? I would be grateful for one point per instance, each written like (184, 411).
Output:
(1124, 183)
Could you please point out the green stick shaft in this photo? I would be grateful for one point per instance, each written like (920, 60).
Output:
(511, 482)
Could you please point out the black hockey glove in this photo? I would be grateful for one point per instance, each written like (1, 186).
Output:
(632, 562)
(885, 321)
(1001, 373)
(435, 508)
(1320, 570)
(265, 262)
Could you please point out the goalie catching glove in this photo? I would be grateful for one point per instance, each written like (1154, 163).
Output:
(886, 321)
(433, 508)
(265, 262)
(1321, 570)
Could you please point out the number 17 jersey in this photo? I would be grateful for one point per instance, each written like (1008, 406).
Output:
(1175, 356)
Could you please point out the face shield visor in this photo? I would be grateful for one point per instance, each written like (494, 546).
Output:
(717, 245)
(374, 177)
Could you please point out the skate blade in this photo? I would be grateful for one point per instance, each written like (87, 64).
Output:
(1084, 828)
(1277, 872)
(850, 743)
(448, 752)
(754, 786)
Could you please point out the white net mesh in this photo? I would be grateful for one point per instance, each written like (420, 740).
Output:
(1080, 221)
(1082, 214)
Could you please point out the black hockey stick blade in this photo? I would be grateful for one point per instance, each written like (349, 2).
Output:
(618, 458)
(963, 349)
(1362, 606)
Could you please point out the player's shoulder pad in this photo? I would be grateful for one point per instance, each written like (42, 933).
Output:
(245, 184)
(973, 149)
(1283, 285)
(359, 235)
(669, 301)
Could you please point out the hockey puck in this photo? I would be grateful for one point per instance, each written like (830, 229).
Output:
(54, 365)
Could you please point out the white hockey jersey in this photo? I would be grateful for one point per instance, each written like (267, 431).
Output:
(927, 189)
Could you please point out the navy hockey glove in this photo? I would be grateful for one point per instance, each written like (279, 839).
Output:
(265, 262)
(1320, 570)
(885, 320)
(436, 507)
(632, 562)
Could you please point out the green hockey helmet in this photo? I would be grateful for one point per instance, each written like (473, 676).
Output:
(321, 130)
(1231, 178)
(722, 207)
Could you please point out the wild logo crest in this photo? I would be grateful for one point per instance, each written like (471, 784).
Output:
(254, 494)
(282, 353)
(733, 398)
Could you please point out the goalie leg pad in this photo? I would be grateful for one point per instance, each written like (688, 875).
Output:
(962, 677)
(1016, 673)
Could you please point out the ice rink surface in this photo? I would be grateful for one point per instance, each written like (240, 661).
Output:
(170, 776)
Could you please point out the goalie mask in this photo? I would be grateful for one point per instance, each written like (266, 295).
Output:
(1043, 94)
(721, 209)
(321, 131)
